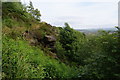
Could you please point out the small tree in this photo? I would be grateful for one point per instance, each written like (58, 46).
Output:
(71, 40)
(34, 12)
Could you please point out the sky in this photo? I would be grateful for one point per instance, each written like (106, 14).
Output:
(79, 14)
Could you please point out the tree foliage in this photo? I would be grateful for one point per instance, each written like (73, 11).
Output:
(34, 12)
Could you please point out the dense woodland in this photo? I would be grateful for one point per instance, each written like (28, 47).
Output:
(35, 49)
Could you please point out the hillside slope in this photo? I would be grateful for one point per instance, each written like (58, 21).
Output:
(35, 49)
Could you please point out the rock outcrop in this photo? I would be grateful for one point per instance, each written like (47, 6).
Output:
(36, 39)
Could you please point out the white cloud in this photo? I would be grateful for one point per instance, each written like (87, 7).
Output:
(86, 13)
(72, 1)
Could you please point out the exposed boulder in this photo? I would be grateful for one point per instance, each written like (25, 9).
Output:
(50, 38)
(27, 35)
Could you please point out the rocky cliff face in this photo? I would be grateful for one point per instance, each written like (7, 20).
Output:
(36, 39)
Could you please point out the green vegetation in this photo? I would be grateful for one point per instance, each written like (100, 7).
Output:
(23, 61)
(35, 49)
(15, 14)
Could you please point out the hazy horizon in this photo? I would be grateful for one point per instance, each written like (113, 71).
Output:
(78, 14)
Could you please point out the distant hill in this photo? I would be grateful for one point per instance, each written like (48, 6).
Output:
(89, 31)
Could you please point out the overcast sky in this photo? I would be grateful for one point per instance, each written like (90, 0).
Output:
(80, 14)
